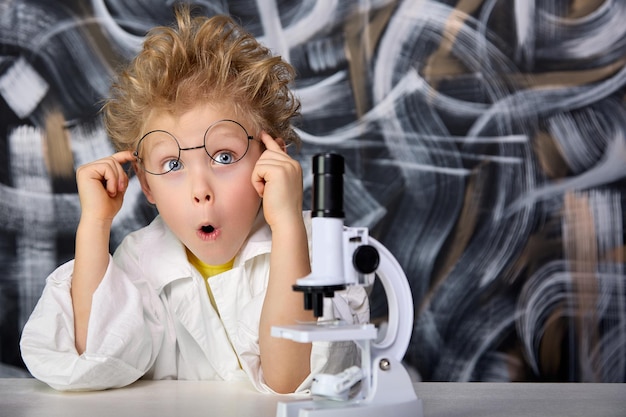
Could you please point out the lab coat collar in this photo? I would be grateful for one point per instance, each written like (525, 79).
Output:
(166, 259)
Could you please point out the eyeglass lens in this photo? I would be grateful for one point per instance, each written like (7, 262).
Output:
(225, 141)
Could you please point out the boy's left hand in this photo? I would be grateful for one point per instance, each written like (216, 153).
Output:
(278, 179)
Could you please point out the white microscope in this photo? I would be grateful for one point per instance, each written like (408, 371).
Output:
(343, 256)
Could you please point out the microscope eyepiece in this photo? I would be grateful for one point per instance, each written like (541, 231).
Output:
(328, 169)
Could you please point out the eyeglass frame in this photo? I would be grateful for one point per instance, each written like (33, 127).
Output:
(136, 152)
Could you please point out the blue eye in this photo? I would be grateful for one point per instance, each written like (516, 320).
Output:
(224, 158)
(172, 165)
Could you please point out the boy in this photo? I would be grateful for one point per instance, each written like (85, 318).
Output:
(203, 114)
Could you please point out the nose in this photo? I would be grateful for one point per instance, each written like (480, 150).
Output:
(200, 198)
(201, 189)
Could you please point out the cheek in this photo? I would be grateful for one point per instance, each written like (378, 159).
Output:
(166, 198)
(242, 193)
(169, 208)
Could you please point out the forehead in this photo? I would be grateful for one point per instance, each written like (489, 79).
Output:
(193, 122)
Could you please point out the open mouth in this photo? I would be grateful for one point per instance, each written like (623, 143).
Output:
(208, 232)
(207, 229)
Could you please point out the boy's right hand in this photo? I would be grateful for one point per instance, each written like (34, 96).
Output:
(101, 186)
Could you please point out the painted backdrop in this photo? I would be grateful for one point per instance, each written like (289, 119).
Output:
(485, 143)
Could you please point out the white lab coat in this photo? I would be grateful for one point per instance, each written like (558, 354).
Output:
(151, 318)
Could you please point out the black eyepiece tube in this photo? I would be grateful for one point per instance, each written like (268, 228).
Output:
(328, 169)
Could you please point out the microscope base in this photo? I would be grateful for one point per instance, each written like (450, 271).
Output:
(392, 393)
(330, 408)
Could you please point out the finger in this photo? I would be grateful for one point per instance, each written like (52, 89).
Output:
(124, 157)
(110, 177)
(111, 174)
(259, 186)
(276, 145)
(258, 179)
(121, 158)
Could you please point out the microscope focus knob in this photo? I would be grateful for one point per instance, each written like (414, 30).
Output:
(366, 259)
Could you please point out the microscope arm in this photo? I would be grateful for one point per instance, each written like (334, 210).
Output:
(400, 305)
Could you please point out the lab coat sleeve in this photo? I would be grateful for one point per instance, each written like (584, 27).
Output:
(123, 336)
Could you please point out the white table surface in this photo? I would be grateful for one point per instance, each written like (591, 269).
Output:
(30, 398)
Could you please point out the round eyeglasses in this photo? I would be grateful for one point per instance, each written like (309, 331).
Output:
(225, 141)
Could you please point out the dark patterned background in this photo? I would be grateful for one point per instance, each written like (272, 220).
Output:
(485, 143)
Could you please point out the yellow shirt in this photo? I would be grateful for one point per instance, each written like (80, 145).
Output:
(208, 271)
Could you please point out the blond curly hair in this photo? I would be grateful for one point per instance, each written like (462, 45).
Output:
(202, 60)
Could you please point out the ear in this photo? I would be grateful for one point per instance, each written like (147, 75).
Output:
(145, 187)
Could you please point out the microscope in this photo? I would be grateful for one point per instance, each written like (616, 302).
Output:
(343, 256)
